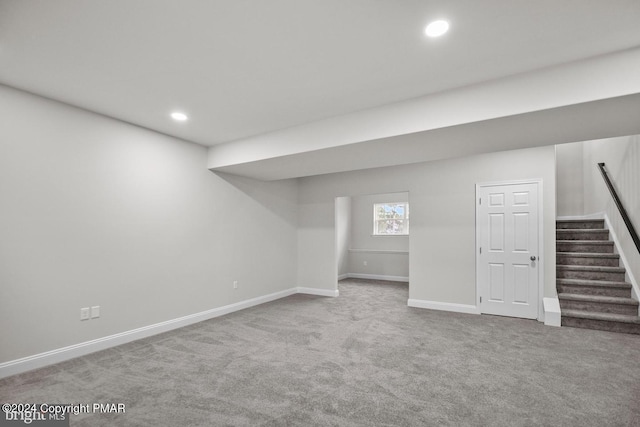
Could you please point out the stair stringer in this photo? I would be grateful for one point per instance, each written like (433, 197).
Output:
(635, 290)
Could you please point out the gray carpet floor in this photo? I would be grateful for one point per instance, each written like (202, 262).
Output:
(363, 359)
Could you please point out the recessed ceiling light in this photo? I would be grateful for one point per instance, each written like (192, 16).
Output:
(181, 117)
(436, 28)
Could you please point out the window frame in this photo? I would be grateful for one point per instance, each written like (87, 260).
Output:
(404, 220)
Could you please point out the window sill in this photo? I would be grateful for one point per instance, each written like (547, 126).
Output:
(379, 251)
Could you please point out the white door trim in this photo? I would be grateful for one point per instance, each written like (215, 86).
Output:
(541, 263)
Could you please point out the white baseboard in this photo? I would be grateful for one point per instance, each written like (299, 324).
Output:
(551, 311)
(36, 361)
(318, 291)
(343, 276)
(378, 277)
(444, 306)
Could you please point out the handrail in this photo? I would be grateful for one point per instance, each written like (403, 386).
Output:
(623, 211)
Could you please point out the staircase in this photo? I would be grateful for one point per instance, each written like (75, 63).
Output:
(591, 284)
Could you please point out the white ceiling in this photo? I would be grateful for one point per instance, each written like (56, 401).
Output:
(242, 68)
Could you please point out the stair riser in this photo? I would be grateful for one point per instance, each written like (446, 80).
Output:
(581, 235)
(599, 307)
(595, 290)
(587, 225)
(595, 261)
(590, 275)
(602, 248)
(627, 328)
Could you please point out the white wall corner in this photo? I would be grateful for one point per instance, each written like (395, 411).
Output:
(444, 306)
(551, 311)
(318, 291)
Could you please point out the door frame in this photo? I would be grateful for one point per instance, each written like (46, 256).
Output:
(541, 263)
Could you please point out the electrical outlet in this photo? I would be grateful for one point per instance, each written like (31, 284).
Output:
(84, 313)
(235, 284)
(95, 311)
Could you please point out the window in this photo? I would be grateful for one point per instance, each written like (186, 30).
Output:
(390, 219)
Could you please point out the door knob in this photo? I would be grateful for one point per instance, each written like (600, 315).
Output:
(533, 258)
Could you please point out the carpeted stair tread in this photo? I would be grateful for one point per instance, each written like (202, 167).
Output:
(607, 317)
(598, 298)
(591, 268)
(581, 230)
(587, 255)
(579, 224)
(599, 235)
(587, 282)
(587, 242)
(587, 258)
(585, 246)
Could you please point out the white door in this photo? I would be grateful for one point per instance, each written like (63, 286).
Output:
(507, 237)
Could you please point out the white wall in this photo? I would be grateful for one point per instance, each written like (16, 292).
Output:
(570, 179)
(442, 244)
(615, 153)
(366, 247)
(622, 161)
(343, 234)
(98, 212)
